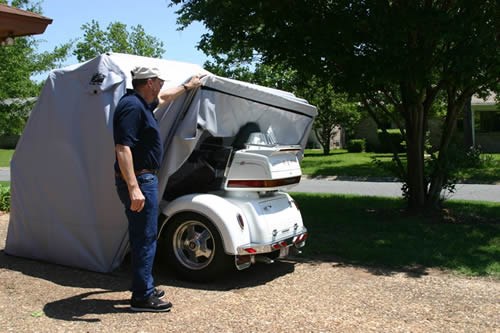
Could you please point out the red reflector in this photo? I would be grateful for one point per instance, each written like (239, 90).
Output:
(250, 250)
(283, 244)
(263, 183)
(276, 246)
(243, 259)
(301, 238)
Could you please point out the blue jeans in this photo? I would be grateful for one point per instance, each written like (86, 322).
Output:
(142, 229)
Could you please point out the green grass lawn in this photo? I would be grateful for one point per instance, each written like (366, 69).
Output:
(341, 163)
(488, 174)
(375, 231)
(5, 156)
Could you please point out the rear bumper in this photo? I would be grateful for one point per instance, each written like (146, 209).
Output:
(276, 245)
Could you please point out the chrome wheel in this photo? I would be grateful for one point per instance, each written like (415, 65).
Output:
(193, 245)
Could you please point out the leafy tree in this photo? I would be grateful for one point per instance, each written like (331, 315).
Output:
(116, 38)
(398, 56)
(334, 110)
(227, 68)
(18, 63)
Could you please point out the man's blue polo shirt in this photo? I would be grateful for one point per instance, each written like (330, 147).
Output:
(134, 126)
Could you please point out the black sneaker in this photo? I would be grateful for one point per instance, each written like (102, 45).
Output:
(158, 293)
(152, 304)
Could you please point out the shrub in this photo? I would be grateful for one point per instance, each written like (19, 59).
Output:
(473, 157)
(392, 138)
(13, 116)
(4, 198)
(356, 145)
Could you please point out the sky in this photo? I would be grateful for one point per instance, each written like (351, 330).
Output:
(157, 18)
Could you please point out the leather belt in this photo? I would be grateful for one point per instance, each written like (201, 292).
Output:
(139, 172)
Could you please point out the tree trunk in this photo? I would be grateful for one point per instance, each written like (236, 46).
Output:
(468, 129)
(323, 137)
(414, 118)
(440, 173)
(326, 140)
(454, 106)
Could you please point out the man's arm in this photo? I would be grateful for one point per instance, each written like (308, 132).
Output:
(124, 157)
(168, 95)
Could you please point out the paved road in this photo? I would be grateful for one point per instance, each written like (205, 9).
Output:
(393, 189)
(4, 174)
(387, 189)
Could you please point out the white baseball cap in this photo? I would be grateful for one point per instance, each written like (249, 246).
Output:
(141, 72)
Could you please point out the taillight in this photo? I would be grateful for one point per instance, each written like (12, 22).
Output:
(263, 183)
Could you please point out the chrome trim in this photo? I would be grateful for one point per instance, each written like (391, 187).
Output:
(268, 247)
(243, 265)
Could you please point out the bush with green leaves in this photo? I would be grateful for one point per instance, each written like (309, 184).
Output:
(390, 140)
(356, 145)
(5, 198)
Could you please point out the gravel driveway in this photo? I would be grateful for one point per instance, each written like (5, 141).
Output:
(297, 295)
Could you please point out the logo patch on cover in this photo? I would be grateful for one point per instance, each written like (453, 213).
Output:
(97, 79)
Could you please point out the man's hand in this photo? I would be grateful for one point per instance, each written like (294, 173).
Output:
(126, 164)
(194, 82)
(137, 199)
(168, 95)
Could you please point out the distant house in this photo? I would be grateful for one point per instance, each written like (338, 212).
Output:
(337, 141)
(485, 123)
(483, 129)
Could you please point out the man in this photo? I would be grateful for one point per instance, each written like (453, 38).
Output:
(138, 155)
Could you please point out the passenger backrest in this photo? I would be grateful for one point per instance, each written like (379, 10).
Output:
(243, 134)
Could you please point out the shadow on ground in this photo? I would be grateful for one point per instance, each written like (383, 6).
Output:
(75, 308)
(416, 271)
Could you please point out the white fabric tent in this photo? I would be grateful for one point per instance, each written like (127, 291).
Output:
(64, 207)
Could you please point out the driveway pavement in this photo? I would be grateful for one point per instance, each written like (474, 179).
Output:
(296, 295)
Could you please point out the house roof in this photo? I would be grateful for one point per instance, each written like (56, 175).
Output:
(490, 100)
(16, 22)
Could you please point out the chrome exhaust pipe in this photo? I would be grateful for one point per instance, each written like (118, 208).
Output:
(264, 259)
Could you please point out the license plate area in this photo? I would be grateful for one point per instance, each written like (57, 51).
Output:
(284, 252)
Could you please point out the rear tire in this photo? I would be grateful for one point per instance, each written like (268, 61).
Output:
(194, 248)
